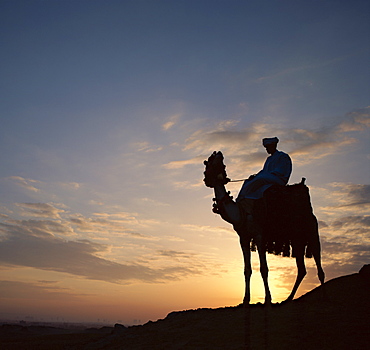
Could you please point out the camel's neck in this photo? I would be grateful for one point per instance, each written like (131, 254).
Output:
(220, 191)
(228, 209)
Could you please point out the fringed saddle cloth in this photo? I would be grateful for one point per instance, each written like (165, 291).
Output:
(286, 216)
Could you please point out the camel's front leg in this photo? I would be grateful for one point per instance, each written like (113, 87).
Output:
(245, 245)
(263, 268)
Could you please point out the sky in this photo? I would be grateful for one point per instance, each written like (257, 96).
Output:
(108, 109)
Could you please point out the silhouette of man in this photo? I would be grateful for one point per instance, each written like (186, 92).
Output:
(276, 170)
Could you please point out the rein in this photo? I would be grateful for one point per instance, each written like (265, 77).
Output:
(237, 180)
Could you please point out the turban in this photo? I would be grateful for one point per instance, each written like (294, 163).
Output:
(269, 141)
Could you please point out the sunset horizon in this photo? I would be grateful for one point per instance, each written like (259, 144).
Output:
(109, 109)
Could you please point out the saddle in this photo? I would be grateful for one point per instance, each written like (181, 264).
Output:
(288, 200)
(285, 215)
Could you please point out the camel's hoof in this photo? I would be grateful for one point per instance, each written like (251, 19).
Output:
(321, 276)
(286, 301)
(245, 304)
(242, 306)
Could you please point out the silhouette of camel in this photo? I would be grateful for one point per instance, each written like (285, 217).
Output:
(295, 225)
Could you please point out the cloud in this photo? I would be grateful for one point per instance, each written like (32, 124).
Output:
(350, 221)
(96, 225)
(44, 290)
(188, 185)
(353, 229)
(345, 244)
(346, 256)
(70, 185)
(345, 235)
(320, 143)
(40, 210)
(173, 254)
(301, 68)
(359, 194)
(199, 264)
(171, 122)
(40, 228)
(25, 246)
(145, 147)
(356, 120)
(104, 225)
(348, 197)
(219, 230)
(154, 202)
(243, 145)
(118, 215)
(25, 183)
(178, 164)
(222, 136)
(41, 243)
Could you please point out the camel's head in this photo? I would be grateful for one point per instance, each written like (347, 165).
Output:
(215, 170)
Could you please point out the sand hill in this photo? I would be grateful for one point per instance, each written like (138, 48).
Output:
(333, 316)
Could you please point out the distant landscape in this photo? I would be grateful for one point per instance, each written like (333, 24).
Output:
(333, 316)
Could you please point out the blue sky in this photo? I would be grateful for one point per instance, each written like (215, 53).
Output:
(108, 109)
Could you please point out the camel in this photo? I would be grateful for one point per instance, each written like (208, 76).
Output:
(298, 229)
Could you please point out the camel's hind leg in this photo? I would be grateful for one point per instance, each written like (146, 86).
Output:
(314, 243)
(301, 273)
(316, 249)
(317, 256)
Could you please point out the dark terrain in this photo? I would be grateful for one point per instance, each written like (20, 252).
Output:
(333, 316)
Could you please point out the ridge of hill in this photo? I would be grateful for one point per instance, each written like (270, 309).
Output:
(333, 316)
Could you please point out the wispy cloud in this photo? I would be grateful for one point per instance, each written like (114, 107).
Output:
(243, 145)
(40, 210)
(145, 147)
(24, 246)
(358, 194)
(171, 122)
(302, 68)
(96, 225)
(356, 120)
(354, 224)
(56, 241)
(178, 164)
(70, 185)
(37, 228)
(43, 290)
(25, 183)
(154, 202)
(348, 198)
(219, 230)
(345, 235)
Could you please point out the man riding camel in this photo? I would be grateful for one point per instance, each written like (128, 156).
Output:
(276, 170)
(275, 219)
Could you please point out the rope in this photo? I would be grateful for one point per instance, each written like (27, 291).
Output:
(237, 180)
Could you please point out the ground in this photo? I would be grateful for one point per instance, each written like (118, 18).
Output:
(333, 316)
